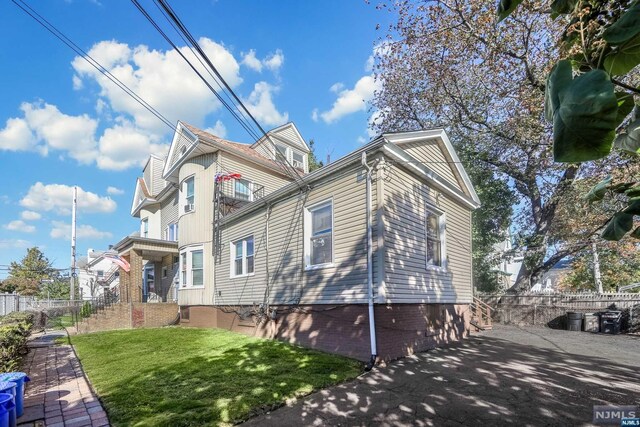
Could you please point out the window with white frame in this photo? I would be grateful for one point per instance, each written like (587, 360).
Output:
(435, 226)
(171, 233)
(187, 195)
(192, 267)
(282, 149)
(242, 190)
(298, 160)
(144, 227)
(318, 240)
(242, 257)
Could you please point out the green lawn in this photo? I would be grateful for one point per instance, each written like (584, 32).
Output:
(61, 322)
(191, 377)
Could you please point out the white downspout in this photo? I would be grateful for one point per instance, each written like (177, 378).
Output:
(372, 322)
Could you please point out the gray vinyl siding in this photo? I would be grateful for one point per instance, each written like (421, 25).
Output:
(158, 183)
(289, 135)
(407, 278)
(257, 174)
(264, 149)
(344, 282)
(434, 158)
(169, 211)
(146, 176)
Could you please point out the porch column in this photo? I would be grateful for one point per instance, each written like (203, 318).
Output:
(125, 282)
(135, 276)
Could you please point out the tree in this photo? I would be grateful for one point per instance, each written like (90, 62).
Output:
(449, 63)
(57, 287)
(619, 265)
(26, 276)
(314, 163)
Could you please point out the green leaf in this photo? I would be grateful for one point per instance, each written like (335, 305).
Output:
(618, 226)
(624, 58)
(630, 141)
(625, 106)
(625, 28)
(562, 7)
(505, 7)
(633, 208)
(599, 190)
(558, 80)
(584, 124)
(636, 233)
(621, 187)
(633, 192)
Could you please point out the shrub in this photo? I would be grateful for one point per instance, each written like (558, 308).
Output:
(14, 331)
(86, 309)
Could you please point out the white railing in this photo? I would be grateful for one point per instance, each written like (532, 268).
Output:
(12, 302)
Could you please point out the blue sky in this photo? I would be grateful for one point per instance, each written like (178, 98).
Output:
(61, 124)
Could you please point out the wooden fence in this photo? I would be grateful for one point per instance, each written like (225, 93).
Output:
(569, 301)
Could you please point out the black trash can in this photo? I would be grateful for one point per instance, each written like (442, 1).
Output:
(610, 322)
(574, 321)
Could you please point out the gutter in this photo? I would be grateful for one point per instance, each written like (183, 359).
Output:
(372, 321)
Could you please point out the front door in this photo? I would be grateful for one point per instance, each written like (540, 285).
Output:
(148, 284)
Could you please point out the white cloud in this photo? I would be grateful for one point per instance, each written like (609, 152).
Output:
(14, 244)
(45, 128)
(59, 197)
(219, 129)
(30, 215)
(351, 100)
(77, 83)
(62, 230)
(261, 105)
(124, 146)
(20, 225)
(274, 61)
(361, 140)
(336, 87)
(114, 191)
(161, 78)
(368, 66)
(16, 136)
(374, 120)
(250, 60)
(315, 115)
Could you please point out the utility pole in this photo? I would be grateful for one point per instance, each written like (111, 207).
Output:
(73, 243)
(596, 267)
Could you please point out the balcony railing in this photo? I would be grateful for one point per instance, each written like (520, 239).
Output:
(239, 191)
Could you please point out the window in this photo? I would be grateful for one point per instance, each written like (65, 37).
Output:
(176, 261)
(319, 235)
(144, 227)
(282, 149)
(192, 267)
(171, 233)
(435, 226)
(187, 195)
(298, 160)
(242, 257)
(242, 190)
(100, 273)
(165, 272)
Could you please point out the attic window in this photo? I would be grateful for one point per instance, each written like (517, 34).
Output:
(298, 160)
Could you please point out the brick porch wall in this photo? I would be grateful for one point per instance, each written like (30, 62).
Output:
(128, 316)
(402, 329)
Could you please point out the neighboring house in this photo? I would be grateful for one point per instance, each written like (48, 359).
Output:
(510, 261)
(340, 259)
(96, 275)
(550, 280)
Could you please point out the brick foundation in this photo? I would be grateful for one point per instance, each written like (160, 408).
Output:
(402, 329)
(128, 316)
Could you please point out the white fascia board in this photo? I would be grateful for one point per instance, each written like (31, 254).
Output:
(169, 169)
(409, 162)
(408, 137)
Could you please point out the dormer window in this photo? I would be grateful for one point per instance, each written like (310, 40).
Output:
(298, 160)
(282, 149)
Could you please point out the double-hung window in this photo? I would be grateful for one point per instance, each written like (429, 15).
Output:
(144, 227)
(242, 257)
(192, 267)
(298, 160)
(435, 226)
(282, 149)
(319, 235)
(188, 195)
(172, 232)
(242, 190)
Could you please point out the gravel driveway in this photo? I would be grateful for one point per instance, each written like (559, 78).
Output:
(507, 376)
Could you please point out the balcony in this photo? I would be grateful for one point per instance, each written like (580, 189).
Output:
(238, 192)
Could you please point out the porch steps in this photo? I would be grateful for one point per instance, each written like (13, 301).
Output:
(480, 315)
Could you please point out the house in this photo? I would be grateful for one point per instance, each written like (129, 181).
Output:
(369, 256)
(509, 261)
(96, 274)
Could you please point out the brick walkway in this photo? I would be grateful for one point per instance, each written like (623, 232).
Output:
(58, 394)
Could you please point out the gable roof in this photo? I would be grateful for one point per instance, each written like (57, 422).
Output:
(141, 197)
(189, 141)
(287, 133)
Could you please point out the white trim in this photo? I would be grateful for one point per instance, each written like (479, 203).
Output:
(442, 228)
(232, 257)
(307, 235)
(170, 168)
(182, 196)
(189, 267)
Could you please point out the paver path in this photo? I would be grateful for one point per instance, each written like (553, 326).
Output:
(508, 376)
(58, 394)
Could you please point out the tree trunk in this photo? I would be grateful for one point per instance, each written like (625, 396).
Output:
(596, 268)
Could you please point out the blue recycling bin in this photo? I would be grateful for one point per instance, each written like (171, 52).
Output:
(6, 405)
(19, 378)
(10, 388)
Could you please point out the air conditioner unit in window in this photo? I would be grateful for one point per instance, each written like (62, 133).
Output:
(188, 207)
